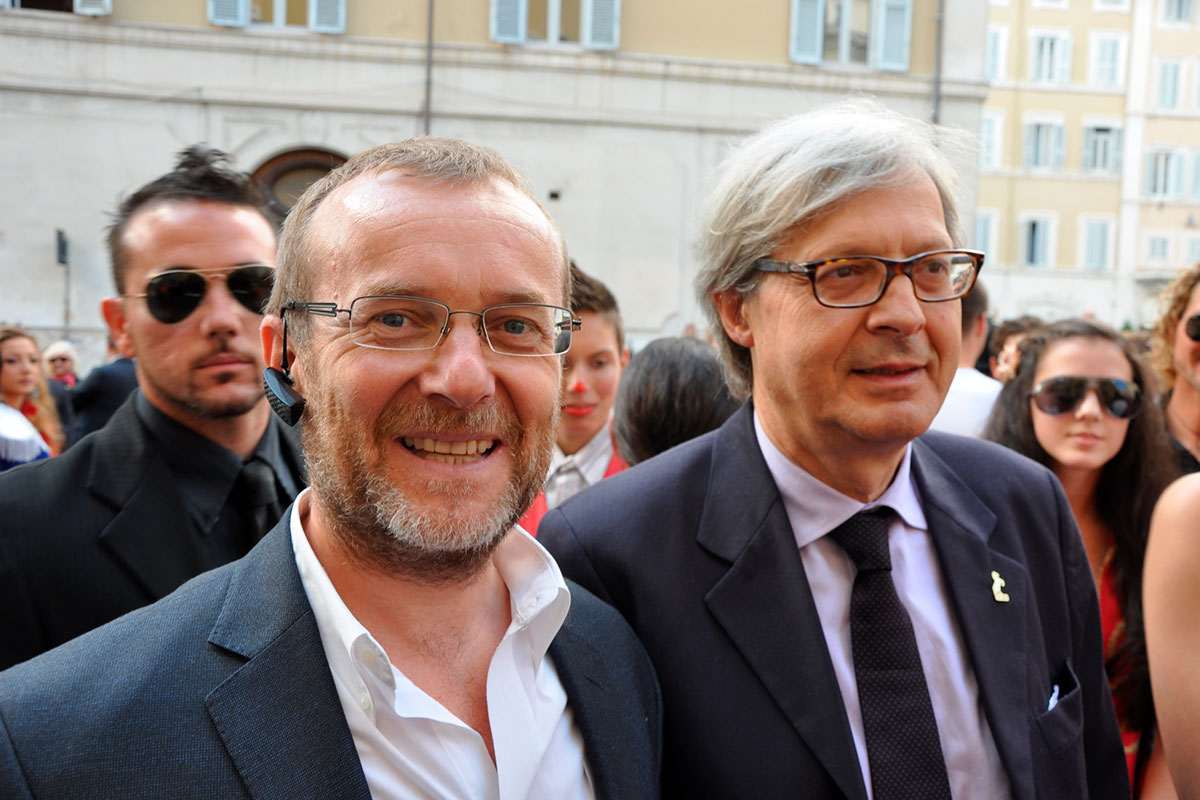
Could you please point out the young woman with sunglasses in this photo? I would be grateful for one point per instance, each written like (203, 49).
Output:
(1078, 404)
(27, 405)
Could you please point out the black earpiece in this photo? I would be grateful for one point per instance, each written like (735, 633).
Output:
(277, 385)
(287, 402)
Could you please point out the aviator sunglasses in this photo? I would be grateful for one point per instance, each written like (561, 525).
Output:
(171, 296)
(1192, 327)
(1063, 394)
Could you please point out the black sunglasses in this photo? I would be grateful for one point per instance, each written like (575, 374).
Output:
(1063, 394)
(171, 296)
(1193, 327)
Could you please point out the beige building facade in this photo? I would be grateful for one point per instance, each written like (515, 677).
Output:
(1089, 156)
(617, 112)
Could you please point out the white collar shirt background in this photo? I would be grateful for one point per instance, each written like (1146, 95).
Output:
(571, 474)
(411, 746)
(968, 404)
(814, 509)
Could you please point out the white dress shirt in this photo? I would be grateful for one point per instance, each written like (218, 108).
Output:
(968, 404)
(571, 474)
(814, 510)
(409, 744)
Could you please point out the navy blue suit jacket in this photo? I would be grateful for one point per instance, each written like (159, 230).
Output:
(694, 547)
(222, 690)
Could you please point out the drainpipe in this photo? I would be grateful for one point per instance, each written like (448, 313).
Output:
(940, 24)
(428, 110)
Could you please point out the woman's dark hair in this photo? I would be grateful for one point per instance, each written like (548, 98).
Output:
(671, 391)
(1129, 486)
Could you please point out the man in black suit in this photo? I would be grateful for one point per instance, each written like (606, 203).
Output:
(396, 635)
(98, 396)
(193, 469)
(836, 607)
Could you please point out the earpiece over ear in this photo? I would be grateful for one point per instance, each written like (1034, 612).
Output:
(287, 402)
(281, 394)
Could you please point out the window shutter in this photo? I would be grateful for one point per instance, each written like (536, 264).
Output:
(1178, 175)
(894, 23)
(229, 13)
(1150, 174)
(93, 8)
(508, 20)
(1056, 148)
(1196, 176)
(601, 24)
(327, 16)
(1062, 60)
(808, 23)
(1118, 143)
(1031, 146)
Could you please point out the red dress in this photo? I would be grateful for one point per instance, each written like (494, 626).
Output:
(534, 515)
(1112, 625)
(30, 411)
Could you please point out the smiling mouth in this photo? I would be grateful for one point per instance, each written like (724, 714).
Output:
(446, 452)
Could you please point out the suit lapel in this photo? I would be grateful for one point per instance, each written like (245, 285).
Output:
(992, 627)
(279, 715)
(600, 718)
(127, 474)
(764, 603)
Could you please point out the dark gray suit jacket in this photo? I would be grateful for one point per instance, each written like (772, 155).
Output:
(695, 549)
(93, 534)
(222, 690)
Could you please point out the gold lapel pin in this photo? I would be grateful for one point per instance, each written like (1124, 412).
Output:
(998, 588)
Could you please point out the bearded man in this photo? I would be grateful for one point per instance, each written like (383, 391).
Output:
(395, 635)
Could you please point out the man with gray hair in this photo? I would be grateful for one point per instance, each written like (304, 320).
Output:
(395, 635)
(837, 605)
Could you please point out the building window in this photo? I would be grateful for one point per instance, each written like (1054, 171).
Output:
(1107, 63)
(851, 32)
(1050, 57)
(995, 60)
(285, 177)
(1158, 248)
(991, 139)
(595, 24)
(1168, 84)
(1193, 251)
(1037, 235)
(1043, 145)
(1101, 148)
(985, 232)
(1110, 5)
(1096, 244)
(1164, 174)
(321, 16)
(1177, 10)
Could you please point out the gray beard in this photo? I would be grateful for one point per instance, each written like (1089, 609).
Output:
(381, 528)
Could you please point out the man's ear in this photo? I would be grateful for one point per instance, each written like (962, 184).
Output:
(113, 311)
(271, 334)
(731, 308)
(624, 357)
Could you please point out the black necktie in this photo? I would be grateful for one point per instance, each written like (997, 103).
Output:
(902, 737)
(258, 500)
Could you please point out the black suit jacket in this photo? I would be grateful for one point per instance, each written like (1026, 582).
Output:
(695, 549)
(98, 396)
(222, 690)
(92, 534)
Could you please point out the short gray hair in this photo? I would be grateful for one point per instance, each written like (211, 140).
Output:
(450, 161)
(796, 171)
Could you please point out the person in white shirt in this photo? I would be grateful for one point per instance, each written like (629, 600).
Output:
(395, 635)
(972, 394)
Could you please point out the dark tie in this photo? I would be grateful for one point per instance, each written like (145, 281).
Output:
(902, 737)
(258, 500)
